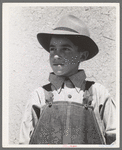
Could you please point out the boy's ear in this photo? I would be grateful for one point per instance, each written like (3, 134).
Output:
(84, 55)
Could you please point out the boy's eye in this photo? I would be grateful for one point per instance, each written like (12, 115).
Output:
(51, 49)
(66, 49)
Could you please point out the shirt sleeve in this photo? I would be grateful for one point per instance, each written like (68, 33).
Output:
(109, 119)
(28, 121)
(107, 109)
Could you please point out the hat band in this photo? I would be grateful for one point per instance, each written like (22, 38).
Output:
(65, 29)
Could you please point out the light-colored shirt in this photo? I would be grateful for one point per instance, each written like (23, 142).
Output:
(73, 89)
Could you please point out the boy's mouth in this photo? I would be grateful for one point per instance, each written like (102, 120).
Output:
(58, 64)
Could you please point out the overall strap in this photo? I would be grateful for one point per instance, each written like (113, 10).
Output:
(86, 101)
(48, 94)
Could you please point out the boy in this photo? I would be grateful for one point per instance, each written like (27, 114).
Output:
(69, 44)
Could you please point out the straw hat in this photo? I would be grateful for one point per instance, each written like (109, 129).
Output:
(70, 26)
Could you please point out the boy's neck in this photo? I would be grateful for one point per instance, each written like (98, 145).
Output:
(67, 76)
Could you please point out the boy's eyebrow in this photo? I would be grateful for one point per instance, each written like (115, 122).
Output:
(64, 45)
(51, 45)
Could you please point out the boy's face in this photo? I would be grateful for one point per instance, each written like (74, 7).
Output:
(64, 56)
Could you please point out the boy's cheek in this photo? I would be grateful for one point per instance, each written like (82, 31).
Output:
(67, 59)
(71, 60)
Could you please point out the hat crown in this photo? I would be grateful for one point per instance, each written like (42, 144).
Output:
(75, 28)
(73, 24)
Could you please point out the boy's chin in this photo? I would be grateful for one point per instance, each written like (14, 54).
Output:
(59, 73)
(63, 74)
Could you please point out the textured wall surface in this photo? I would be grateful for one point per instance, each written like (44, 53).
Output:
(29, 62)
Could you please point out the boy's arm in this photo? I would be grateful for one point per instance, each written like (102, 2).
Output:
(26, 125)
(108, 115)
(29, 119)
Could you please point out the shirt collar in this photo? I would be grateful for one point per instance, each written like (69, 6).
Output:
(77, 79)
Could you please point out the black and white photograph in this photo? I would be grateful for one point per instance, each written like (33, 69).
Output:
(61, 66)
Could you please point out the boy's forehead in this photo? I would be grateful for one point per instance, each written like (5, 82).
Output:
(60, 39)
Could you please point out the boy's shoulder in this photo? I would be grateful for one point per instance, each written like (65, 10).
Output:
(95, 85)
(46, 86)
(39, 92)
(98, 89)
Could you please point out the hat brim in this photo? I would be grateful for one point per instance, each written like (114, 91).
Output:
(86, 42)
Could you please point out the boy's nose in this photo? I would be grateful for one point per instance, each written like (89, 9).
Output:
(56, 56)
